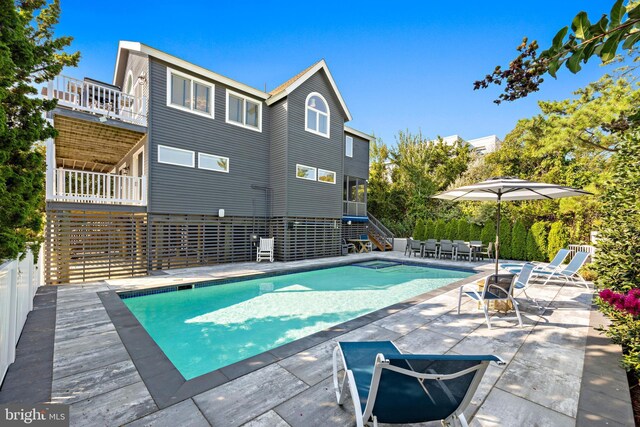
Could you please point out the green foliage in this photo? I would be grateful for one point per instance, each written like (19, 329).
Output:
(557, 239)
(475, 232)
(617, 264)
(418, 232)
(488, 233)
(440, 229)
(29, 55)
(429, 228)
(451, 229)
(505, 238)
(519, 241)
(463, 230)
(570, 48)
(537, 241)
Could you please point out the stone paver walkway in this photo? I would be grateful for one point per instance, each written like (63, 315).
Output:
(540, 385)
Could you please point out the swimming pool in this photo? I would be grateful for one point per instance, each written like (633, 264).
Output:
(209, 327)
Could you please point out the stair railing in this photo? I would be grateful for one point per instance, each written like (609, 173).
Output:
(382, 233)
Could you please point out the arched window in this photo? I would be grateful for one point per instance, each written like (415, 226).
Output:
(129, 85)
(317, 115)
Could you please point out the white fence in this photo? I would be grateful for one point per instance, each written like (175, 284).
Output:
(85, 95)
(71, 185)
(582, 248)
(19, 281)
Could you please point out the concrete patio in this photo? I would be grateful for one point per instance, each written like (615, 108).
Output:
(559, 371)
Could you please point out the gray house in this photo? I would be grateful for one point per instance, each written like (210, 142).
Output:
(173, 165)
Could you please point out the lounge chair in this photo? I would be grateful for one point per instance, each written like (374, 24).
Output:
(497, 287)
(550, 267)
(570, 272)
(523, 281)
(415, 248)
(387, 386)
(446, 248)
(265, 250)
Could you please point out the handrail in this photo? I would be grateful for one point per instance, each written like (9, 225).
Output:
(78, 186)
(381, 232)
(380, 225)
(97, 99)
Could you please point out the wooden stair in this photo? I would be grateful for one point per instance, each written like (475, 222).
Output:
(381, 246)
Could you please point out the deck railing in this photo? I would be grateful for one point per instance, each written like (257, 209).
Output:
(77, 186)
(86, 95)
(19, 280)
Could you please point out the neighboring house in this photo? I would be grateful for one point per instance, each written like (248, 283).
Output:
(483, 145)
(176, 166)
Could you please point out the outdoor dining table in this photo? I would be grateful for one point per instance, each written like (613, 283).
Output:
(475, 248)
(361, 244)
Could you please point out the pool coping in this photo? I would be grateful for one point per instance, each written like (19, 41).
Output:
(166, 384)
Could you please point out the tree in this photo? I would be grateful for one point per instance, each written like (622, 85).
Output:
(557, 239)
(475, 232)
(440, 229)
(29, 55)
(451, 230)
(601, 38)
(428, 229)
(505, 238)
(418, 232)
(519, 241)
(463, 230)
(488, 233)
(537, 242)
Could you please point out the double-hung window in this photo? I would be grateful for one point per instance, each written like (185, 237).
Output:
(243, 111)
(317, 115)
(348, 146)
(188, 93)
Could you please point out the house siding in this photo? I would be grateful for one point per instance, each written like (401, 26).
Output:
(358, 165)
(278, 157)
(313, 198)
(184, 190)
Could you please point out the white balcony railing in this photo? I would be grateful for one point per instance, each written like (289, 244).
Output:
(70, 185)
(98, 99)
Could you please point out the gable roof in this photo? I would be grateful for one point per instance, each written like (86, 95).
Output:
(292, 84)
(275, 95)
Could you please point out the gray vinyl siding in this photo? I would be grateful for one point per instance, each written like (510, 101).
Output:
(313, 198)
(184, 190)
(278, 158)
(358, 165)
(139, 67)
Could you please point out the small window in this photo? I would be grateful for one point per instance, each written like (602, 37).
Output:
(243, 111)
(176, 156)
(306, 172)
(189, 93)
(213, 163)
(326, 176)
(348, 147)
(317, 115)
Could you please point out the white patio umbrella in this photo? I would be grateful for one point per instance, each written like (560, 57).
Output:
(505, 188)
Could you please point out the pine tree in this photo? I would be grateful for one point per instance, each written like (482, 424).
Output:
(488, 233)
(418, 231)
(537, 242)
(428, 229)
(29, 55)
(463, 230)
(557, 239)
(440, 229)
(452, 230)
(519, 241)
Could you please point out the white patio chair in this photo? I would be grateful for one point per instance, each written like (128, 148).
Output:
(497, 287)
(265, 250)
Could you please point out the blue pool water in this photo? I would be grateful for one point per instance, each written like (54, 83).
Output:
(207, 328)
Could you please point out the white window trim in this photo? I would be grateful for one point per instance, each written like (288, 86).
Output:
(212, 95)
(213, 155)
(335, 176)
(348, 152)
(134, 161)
(310, 167)
(306, 116)
(193, 157)
(244, 106)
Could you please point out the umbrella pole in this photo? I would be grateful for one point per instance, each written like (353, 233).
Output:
(498, 235)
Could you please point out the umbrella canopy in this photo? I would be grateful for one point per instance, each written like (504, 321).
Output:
(506, 188)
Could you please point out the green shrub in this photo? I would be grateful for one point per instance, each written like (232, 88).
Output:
(418, 231)
(475, 232)
(488, 233)
(463, 230)
(557, 239)
(505, 238)
(451, 230)
(440, 229)
(537, 242)
(519, 241)
(428, 229)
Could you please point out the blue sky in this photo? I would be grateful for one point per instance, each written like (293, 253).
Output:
(398, 65)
